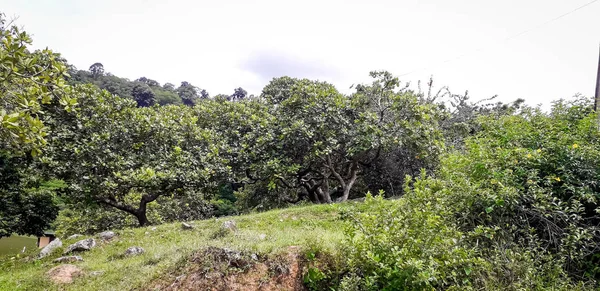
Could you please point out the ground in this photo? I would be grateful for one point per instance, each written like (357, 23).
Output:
(169, 250)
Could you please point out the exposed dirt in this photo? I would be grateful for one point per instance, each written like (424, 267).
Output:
(64, 274)
(224, 269)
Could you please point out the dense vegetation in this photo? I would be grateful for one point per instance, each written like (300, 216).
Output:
(492, 196)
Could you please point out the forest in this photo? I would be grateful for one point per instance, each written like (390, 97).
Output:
(449, 193)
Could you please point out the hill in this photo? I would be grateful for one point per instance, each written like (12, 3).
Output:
(260, 239)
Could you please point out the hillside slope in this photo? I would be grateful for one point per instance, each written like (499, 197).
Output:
(171, 250)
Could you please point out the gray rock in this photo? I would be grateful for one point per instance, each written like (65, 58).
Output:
(68, 259)
(229, 225)
(153, 229)
(134, 251)
(53, 245)
(107, 235)
(82, 245)
(254, 257)
(185, 225)
(75, 236)
(96, 273)
(262, 236)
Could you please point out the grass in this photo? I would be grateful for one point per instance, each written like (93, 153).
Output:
(14, 244)
(169, 246)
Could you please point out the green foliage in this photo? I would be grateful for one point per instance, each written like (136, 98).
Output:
(409, 245)
(27, 203)
(531, 179)
(113, 153)
(27, 81)
(143, 95)
(516, 210)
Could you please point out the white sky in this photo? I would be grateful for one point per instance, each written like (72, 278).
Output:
(221, 45)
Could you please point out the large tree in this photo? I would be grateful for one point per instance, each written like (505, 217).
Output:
(327, 140)
(113, 153)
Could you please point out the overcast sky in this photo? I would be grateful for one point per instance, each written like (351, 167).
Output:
(220, 45)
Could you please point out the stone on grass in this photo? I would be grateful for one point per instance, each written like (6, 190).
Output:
(82, 245)
(68, 259)
(153, 229)
(75, 236)
(134, 251)
(96, 273)
(107, 235)
(229, 225)
(48, 249)
(262, 236)
(186, 225)
(64, 274)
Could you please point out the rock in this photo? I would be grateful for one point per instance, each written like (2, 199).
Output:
(96, 273)
(68, 259)
(229, 225)
(185, 225)
(134, 251)
(254, 257)
(107, 235)
(75, 236)
(82, 245)
(262, 236)
(53, 245)
(153, 229)
(64, 274)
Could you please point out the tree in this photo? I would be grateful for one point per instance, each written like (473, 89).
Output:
(239, 94)
(31, 84)
(278, 90)
(188, 93)
(27, 81)
(26, 206)
(325, 141)
(149, 82)
(169, 87)
(97, 69)
(143, 95)
(112, 153)
(204, 94)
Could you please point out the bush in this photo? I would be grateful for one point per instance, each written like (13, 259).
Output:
(516, 210)
(408, 244)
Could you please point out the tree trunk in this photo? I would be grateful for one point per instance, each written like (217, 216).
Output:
(141, 213)
(142, 218)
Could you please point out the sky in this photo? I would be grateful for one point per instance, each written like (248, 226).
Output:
(473, 45)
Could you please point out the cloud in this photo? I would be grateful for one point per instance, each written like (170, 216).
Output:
(271, 64)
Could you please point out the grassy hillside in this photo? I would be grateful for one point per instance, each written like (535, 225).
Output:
(168, 248)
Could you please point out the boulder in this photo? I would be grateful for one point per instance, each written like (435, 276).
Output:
(185, 225)
(68, 259)
(229, 225)
(82, 245)
(64, 274)
(75, 236)
(134, 251)
(53, 245)
(107, 235)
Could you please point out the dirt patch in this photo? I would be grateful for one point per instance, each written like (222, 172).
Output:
(225, 269)
(64, 274)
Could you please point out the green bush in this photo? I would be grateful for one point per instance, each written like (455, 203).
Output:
(517, 209)
(408, 244)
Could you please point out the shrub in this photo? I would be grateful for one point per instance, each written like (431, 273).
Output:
(408, 244)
